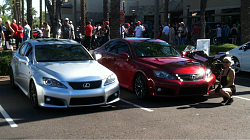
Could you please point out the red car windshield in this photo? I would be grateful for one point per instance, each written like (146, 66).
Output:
(154, 49)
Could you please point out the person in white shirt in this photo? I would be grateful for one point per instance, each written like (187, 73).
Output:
(165, 32)
(138, 30)
(122, 30)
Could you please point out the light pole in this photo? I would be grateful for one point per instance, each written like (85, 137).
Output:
(133, 11)
(18, 9)
(188, 6)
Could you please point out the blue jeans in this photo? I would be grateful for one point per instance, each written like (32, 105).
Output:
(183, 41)
(179, 40)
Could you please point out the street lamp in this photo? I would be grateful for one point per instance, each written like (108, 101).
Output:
(18, 9)
(188, 6)
(133, 11)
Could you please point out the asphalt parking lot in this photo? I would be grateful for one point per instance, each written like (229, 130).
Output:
(130, 118)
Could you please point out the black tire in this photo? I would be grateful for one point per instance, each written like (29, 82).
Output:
(236, 65)
(33, 95)
(12, 80)
(141, 87)
(95, 45)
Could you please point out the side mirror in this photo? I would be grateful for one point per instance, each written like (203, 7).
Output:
(24, 59)
(124, 56)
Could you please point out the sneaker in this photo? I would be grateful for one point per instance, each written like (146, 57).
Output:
(230, 101)
(225, 99)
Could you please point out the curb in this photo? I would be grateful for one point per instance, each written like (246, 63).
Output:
(6, 82)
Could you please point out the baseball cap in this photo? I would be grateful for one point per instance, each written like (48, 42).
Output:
(138, 22)
(66, 19)
(107, 22)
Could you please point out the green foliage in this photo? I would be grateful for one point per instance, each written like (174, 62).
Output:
(5, 60)
(214, 49)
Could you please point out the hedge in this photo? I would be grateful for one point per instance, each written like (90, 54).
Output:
(5, 60)
(214, 49)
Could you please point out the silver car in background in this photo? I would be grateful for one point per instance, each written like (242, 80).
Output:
(61, 73)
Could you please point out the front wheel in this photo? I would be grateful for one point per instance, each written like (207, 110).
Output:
(236, 65)
(141, 87)
(33, 95)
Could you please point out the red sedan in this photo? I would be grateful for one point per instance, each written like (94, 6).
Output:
(153, 68)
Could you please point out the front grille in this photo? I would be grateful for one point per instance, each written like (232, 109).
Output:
(193, 91)
(87, 101)
(190, 77)
(85, 85)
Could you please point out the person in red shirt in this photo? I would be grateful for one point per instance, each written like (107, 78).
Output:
(19, 34)
(196, 33)
(14, 27)
(88, 34)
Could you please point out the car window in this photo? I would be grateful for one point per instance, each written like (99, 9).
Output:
(122, 47)
(154, 49)
(28, 50)
(22, 49)
(61, 52)
(111, 47)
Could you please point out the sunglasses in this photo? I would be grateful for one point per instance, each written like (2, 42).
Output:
(226, 62)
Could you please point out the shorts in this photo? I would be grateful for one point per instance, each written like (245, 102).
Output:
(233, 89)
(9, 47)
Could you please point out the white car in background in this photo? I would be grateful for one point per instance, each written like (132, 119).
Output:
(61, 73)
(241, 57)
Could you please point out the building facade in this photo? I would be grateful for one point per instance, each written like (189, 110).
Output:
(227, 11)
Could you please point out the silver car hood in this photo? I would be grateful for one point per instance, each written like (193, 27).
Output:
(75, 71)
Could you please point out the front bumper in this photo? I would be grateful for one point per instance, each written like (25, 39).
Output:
(175, 88)
(64, 98)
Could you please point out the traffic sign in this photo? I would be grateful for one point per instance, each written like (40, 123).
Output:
(122, 17)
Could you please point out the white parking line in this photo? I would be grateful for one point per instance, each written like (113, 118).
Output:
(7, 117)
(242, 98)
(143, 108)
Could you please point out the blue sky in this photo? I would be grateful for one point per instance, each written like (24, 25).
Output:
(35, 4)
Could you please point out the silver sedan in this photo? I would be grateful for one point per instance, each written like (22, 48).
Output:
(60, 74)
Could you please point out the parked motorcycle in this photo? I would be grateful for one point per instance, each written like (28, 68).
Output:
(78, 36)
(212, 62)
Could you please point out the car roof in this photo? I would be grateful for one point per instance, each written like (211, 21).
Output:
(135, 39)
(44, 41)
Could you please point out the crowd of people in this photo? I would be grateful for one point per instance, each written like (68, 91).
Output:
(13, 33)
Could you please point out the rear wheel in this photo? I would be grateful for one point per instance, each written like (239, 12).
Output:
(215, 40)
(141, 86)
(12, 80)
(33, 95)
(236, 65)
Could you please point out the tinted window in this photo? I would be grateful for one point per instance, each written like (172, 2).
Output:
(111, 47)
(22, 49)
(123, 47)
(61, 52)
(154, 49)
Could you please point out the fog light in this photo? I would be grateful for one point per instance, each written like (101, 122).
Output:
(159, 89)
(47, 99)
(116, 94)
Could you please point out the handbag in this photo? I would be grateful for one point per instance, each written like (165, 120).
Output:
(12, 41)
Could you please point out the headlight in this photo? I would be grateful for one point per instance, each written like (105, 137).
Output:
(162, 74)
(110, 80)
(208, 73)
(53, 82)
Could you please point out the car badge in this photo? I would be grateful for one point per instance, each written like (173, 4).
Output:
(86, 85)
(192, 77)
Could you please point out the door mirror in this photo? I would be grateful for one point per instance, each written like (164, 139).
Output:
(124, 56)
(24, 59)
(245, 48)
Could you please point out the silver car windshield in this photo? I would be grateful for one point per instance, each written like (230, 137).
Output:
(61, 52)
(154, 49)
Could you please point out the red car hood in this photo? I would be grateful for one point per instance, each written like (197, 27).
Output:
(174, 65)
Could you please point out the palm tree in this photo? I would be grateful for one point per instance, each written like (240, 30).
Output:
(4, 8)
(115, 19)
(245, 17)
(106, 10)
(203, 5)
(166, 11)
(29, 14)
(22, 12)
(41, 13)
(83, 16)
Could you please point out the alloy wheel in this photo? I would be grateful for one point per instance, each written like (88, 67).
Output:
(140, 87)
(236, 65)
(33, 95)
